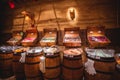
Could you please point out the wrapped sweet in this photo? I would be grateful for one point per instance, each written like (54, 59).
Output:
(100, 53)
(34, 50)
(51, 50)
(73, 52)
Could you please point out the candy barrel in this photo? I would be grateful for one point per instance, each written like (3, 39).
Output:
(104, 64)
(52, 67)
(116, 75)
(117, 67)
(6, 56)
(52, 64)
(72, 66)
(18, 67)
(32, 61)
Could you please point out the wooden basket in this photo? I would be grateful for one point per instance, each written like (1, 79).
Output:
(97, 32)
(49, 35)
(70, 34)
(30, 34)
(16, 38)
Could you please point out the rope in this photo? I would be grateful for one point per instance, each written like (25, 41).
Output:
(38, 17)
(53, 5)
(58, 25)
(23, 20)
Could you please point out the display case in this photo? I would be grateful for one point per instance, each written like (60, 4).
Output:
(31, 37)
(96, 36)
(16, 38)
(50, 37)
(71, 37)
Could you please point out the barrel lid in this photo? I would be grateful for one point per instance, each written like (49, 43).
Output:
(6, 49)
(34, 50)
(51, 50)
(100, 54)
(19, 50)
(73, 52)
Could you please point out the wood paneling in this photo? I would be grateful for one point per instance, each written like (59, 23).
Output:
(89, 13)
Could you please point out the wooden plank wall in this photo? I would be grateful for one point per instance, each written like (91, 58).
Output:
(54, 14)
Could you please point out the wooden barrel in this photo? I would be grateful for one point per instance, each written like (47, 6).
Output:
(116, 75)
(6, 63)
(32, 71)
(72, 67)
(18, 67)
(104, 67)
(52, 67)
